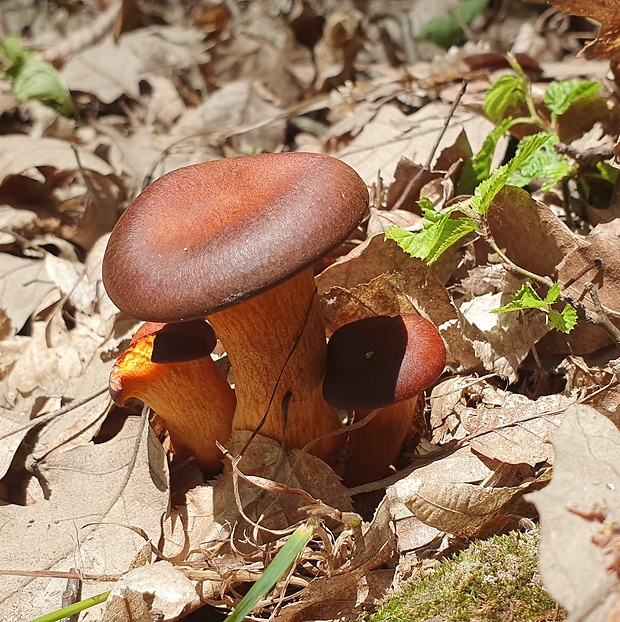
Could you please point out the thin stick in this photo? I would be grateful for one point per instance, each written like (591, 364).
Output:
(429, 161)
(598, 316)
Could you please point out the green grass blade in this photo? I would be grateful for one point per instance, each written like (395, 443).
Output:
(67, 612)
(276, 569)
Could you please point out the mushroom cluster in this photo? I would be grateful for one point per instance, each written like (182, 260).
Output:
(234, 241)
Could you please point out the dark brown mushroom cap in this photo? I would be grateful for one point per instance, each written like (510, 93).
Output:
(179, 342)
(380, 360)
(205, 237)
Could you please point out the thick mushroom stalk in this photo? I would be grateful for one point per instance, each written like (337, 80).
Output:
(185, 388)
(382, 363)
(235, 240)
(276, 345)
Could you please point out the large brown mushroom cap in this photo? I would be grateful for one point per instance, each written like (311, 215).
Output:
(205, 237)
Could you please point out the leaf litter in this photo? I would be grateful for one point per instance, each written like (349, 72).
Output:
(87, 485)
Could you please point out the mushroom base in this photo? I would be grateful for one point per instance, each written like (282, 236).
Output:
(277, 348)
(376, 446)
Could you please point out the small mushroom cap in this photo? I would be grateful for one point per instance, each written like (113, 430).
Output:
(205, 237)
(161, 344)
(381, 360)
(179, 342)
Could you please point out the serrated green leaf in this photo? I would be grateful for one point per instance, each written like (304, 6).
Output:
(506, 93)
(525, 298)
(545, 164)
(481, 162)
(440, 233)
(447, 30)
(276, 569)
(561, 95)
(564, 321)
(553, 294)
(488, 189)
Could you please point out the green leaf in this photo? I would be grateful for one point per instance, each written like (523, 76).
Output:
(482, 160)
(608, 173)
(525, 298)
(507, 92)
(32, 78)
(564, 321)
(546, 164)
(553, 294)
(276, 569)
(440, 233)
(488, 189)
(447, 30)
(561, 95)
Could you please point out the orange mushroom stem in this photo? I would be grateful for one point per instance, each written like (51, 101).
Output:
(185, 388)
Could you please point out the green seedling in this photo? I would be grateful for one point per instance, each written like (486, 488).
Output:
(33, 78)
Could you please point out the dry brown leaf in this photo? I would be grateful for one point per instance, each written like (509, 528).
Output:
(12, 219)
(123, 481)
(580, 516)
(235, 105)
(264, 49)
(110, 69)
(391, 134)
(607, 44)
(579, 267)
(443, 496)
(530, 234)
(24, 284)
(22, 155)
(501, 340)
(518, 430)
(504, 426)
(164, 590)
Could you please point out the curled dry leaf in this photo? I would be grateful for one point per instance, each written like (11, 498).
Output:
(580, 516)
(336, 51)
(443, 496)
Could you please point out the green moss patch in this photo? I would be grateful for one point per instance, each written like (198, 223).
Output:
(491, 580)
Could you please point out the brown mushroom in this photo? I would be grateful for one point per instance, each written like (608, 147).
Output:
(235, 240)
(169, 368)
(381, 363)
